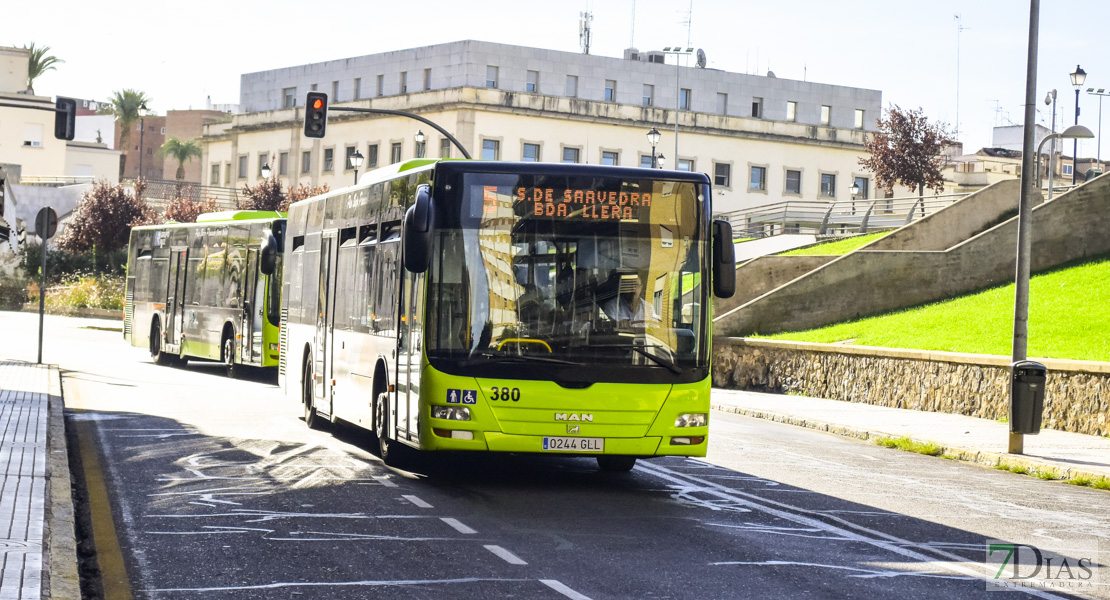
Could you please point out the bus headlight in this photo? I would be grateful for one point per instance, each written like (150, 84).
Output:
(691, 420)
(451, 413)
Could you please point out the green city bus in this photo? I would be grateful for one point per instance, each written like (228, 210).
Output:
(197, 290)
(508, 307)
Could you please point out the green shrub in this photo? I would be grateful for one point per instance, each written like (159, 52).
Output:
(87, 291)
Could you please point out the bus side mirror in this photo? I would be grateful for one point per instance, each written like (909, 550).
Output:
(724, 260)
(419, 226)
(267, 257)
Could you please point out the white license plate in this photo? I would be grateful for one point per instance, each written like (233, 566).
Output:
(574, 444)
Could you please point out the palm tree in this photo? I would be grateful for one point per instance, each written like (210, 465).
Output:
(182, 152)
(125, 106)
(39, 63)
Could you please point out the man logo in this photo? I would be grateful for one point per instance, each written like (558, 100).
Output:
(574, 429)
(584, 417)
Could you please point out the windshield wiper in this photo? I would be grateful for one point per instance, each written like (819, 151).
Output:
(659, 360)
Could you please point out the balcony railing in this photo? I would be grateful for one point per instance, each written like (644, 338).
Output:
(831, 218)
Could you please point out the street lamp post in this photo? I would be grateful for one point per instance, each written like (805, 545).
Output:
(653, 139)
(854, 192)
(1075, 132)
(662, 160)
(419, 138)
(142, 130)
(1078, 76)
(265, 171)
(1098, 145)
(679, 51)
(356, 163)
(1049, 99)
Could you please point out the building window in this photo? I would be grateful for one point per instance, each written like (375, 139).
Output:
(32, 135)
(358, 88)
(572, 86)
(530, 153)
(722, 103)
(791, 110)
(649, 95)
(263, 160)
(427, 79)
(685, 164)
(571, 155)
(329, 160)
(347, 164)
(404, 82)
(289, 97)
(163, 131)
(380, 86)
(610, 90)
(312, 87)
(491, 76)
(645, 161)
(215, 178)
(793, 182)
(306, 161)
(283, 163)
(532, 83)
(757, 108)
(825, 113)
(395, 153)
(335, 91)
(371, 156)
(758, 179)
(1066, 169)
(491, 150)
(610, 158)
(863, 184)
(445, 148)
(859, 118)
(828, 185)
(684, 99)
(722, 175)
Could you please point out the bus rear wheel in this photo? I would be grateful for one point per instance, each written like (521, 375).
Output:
(157, 352)
(616, 464)
(310, 417)
(230, 367)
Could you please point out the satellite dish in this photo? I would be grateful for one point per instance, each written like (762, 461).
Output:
(771, 74)
(701, 58)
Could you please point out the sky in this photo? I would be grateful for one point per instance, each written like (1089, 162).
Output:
(179, 54)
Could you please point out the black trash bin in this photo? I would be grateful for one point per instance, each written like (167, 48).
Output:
(1027, 383)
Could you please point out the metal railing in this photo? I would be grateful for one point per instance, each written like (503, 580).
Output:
(159, 193)
(55, 181)
(840, 217)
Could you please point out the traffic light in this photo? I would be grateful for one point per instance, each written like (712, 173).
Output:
(315, 114)
(65, 115)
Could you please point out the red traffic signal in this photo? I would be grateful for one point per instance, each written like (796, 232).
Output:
(315, 114)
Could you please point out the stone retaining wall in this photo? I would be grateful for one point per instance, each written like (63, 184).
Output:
(1077, 396)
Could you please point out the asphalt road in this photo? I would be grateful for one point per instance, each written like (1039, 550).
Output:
(216, 489)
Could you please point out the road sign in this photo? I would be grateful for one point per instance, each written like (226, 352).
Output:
(46, 223)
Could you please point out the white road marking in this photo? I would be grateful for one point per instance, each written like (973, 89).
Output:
(417, 501)
(384, 479)
(862, 573)
(564, 590)
(505, 555)
(380, 583)
(459, 527)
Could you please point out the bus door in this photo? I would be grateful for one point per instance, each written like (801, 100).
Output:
(251, 343)
(175, 294)
(409, 352)
(325, 325)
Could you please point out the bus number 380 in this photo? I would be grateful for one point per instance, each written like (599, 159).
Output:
(505, 394)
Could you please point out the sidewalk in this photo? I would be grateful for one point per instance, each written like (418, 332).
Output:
(36, 506)
(1066, 455)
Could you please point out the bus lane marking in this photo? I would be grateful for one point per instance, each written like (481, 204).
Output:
(416, 501)
(505, 555)
(459, 527)
(860, 534)
(563, 589)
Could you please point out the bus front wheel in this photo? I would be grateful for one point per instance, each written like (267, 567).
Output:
(381, 420)
(310, 417)
(616, 464)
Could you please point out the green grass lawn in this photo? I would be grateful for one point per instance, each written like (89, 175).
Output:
(1069, 318)
(837, 247)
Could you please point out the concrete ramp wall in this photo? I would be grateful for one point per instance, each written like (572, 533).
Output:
(867, 282)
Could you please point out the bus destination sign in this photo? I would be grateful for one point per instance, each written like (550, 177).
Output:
(582, 203)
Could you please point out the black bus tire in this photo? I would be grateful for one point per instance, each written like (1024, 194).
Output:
(307, 396)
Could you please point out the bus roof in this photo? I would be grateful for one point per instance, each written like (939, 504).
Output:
(239, 215)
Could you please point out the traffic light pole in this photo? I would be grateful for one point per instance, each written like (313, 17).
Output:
(401, 113)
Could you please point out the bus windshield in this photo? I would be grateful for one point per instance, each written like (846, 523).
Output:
(574, 278)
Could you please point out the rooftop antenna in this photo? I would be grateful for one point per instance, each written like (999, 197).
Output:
(959, 29)
(584, 30)
(632, 37)
(689, 22)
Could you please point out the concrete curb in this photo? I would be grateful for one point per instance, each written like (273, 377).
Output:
(89, 313)
(979, 457)
(60, 580)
